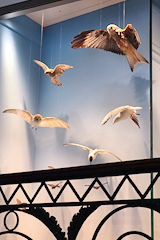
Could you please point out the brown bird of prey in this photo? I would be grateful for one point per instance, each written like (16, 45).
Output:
(92, 152)
(96, 186)
(53, 186)
(123, 113)
(53, 73)
(113, 39)
(37, 120)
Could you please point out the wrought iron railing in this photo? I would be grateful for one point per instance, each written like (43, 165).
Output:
(67, 176)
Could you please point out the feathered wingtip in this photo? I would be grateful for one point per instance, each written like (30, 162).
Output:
(79, 39)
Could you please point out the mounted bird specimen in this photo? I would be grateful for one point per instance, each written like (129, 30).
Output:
(95, 186)
(92, 152)
(53, 73)
(37, 120)
(50, 167)
(53, 186)
(20, 203)
(114, 39)
(123, 113)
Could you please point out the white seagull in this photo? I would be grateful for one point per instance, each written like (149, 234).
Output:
(123, 113)
(92, 152)
(53, 73)
(37, 120)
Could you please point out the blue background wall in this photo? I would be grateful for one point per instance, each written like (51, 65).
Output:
(19, 88)
(99, 82)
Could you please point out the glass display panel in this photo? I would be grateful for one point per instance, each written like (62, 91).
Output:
(98, 74)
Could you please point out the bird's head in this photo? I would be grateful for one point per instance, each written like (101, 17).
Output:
(91, 157)
(112, 28)
(37, 117)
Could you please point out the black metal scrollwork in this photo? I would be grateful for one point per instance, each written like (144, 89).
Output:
(78, 219)
(48, 220)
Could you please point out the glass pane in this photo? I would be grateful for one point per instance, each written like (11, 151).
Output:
(99, 82)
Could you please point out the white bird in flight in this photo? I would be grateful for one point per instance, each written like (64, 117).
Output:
(53, 73)
(123, 113)
(92, 152)
(37, 120)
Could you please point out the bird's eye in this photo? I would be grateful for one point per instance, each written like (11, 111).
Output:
(111, 27)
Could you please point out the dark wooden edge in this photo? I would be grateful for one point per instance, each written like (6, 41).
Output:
(81, 172)
(21, 8)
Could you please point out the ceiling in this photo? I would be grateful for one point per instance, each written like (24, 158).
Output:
(69, 10)
(9, 2)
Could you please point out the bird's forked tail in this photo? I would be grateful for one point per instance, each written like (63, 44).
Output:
(135, 57)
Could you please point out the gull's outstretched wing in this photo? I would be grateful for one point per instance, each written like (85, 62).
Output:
(60, 68)
(41, 64)
(26, 115)
(113, 112)
(134, 118)
(96, 39)
(53, 122)
(102, 151)
(78, 145)
(131, 34)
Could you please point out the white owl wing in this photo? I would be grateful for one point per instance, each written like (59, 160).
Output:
(41, 64)
(60, 68)
(26, 115)
(53, 122)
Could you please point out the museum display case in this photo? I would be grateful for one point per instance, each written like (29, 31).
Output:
(79, 105)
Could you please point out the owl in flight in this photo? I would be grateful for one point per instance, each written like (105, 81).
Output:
(53, 73)
(37, 120)
(123, 113)
(113, 39)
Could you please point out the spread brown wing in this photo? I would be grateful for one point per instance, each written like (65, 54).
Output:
(53, 122)
(134, 118)
(26, 115)
(131, 34)
(96, 39)
(60, 68)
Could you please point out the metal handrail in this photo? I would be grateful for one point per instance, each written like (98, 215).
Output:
(81, 172)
